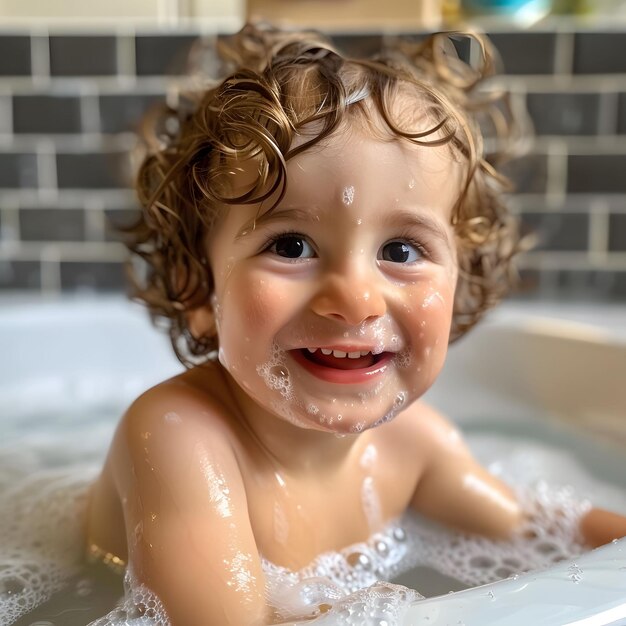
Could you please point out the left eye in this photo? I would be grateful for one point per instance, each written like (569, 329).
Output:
(292, 247)
(400, 252)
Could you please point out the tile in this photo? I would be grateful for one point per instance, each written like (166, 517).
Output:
(526, 52)
(93, 170)
(572, 285)
(600, 52)
(18, 171)
(80, 55)
(618, 287)
(529, 173)
(596, 285)
(115, 218)
(20, 274)
(558, 231)
(601, 173)
(15, 55)
(617, 232)
(158, 55)
(124, 112)
(52, 224)
(565, 113)
(358, 45)
(621, 114)
(92, 276)
(46, 114)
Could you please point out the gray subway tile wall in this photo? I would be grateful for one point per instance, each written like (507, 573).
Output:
(163, 56)
(526, 52)
(44, 114)
(92, 170)
(18, 170)
(600, 53)
(565, 113)
(617, 232)
(15, 55)
(83, 55)
(70, 103)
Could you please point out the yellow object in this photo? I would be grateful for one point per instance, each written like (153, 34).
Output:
(349, 14)
(95, 554)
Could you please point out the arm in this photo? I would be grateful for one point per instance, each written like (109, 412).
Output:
(189, 536)
(599, 527)
(455, 489)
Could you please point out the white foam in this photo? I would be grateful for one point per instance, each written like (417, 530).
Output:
(42, 511)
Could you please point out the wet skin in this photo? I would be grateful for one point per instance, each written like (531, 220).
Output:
(283, 451)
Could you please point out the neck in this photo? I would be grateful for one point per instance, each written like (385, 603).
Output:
(291, 447)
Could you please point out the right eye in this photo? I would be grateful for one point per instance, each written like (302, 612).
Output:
(292, 247)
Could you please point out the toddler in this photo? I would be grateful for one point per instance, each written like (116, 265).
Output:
(316, 232)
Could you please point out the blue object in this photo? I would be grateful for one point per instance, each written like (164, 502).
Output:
(500, 6)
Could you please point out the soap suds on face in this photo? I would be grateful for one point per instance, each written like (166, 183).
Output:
(348, 195)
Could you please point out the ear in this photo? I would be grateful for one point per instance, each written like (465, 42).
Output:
(201, 321)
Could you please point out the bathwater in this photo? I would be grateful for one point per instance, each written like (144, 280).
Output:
(48, 461)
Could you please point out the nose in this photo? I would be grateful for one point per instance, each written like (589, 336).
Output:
(349, 297)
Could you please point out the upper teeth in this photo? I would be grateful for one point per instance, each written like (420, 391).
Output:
(340, 354)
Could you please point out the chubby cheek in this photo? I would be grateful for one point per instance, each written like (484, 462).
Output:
(249, 316)
(429, 319)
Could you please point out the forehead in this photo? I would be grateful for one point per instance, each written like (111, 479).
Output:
(363, 151)
(378, 160)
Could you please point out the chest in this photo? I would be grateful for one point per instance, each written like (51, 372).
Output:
(294, 519)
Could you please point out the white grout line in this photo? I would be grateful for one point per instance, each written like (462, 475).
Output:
(50, 269)
(10, 222)
(614, 261)
(102, 251)
(46, 167)
(105, 84)
(126, 57)
(564, 52)
(40, 57)
(74, 142)
(557, 169)
(70, 198)
(607, 144)
(599, 228)
(608, 113)
(94, 219)
(6, 114)
(567, 82)
(89, 111)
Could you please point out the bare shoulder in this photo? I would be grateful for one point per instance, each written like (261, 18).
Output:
(424, 428)
(180, 406)
(171, 424)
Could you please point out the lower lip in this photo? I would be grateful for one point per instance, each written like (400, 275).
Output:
(342, 377)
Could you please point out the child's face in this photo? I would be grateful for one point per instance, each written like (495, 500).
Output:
(358, 258)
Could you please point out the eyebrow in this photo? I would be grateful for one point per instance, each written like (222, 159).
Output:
(277, 215)
(410, 218)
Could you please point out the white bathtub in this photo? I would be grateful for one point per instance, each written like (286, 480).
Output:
(560, 372)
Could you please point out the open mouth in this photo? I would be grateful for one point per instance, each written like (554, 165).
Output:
(339, 366)
(341, 360)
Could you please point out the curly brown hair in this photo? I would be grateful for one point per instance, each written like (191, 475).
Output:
(282, 86)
